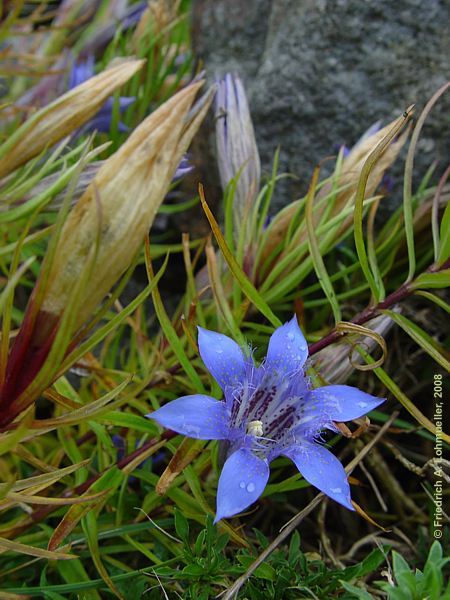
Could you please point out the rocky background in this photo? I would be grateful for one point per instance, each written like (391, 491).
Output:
(318, 73)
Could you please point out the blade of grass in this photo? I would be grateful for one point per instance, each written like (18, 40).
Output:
(371, 251)
(220, 297)
(401, 397)
(316, 256)
(117, 320)
(439, 301)
(407, 180)
(359, 198)
(45, 478)
(421, 338)
(247, 287)
(10, 546)
(168, 328)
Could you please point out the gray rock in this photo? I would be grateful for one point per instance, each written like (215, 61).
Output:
(318, 73)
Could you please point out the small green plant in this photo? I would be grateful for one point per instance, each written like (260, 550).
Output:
(407, 584)
(288, 574)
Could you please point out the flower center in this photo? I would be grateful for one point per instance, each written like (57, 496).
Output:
(255, 428)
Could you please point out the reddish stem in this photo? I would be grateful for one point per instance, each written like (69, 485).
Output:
(372, 311)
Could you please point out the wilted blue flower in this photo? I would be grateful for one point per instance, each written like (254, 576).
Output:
(82, 71)
(237, 152)
(267, 411)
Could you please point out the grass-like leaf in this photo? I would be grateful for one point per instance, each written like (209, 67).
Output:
(247, 287)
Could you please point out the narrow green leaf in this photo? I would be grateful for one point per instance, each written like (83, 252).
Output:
(407, 180)
(444, 243)
(359, 199)
(44, 478)
(432, 280)
(102, 332)
(135, 422)
(87, 411)
(71, 588)
(168, 329)
(90, 528)
(421, 338)
(17, 547)
(401, 397)
(316, 255)
(439, 301)
(247, 287)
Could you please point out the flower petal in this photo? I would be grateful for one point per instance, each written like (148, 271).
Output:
(196, 416)
(288, 349)
(321, 469)
(242, 481)
(222, 357)
(343, 402)
(124, 103)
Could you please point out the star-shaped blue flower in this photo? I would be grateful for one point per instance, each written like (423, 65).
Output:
(267, 411)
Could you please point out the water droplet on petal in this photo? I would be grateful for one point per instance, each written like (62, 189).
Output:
(251, 487)
(362, 404)
(242, 485)
(219, 351)
(337, 490)
(290, 336)
(192, 430)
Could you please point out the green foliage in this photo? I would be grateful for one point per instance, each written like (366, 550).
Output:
(415, 584)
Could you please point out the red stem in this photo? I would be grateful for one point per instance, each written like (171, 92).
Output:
(372, 311)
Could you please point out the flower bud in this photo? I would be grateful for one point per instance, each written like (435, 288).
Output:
(64, 115)
(237, 152)
(112, 216)
(130, 187)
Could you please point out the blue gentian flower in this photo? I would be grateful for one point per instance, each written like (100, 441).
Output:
(267, 411)
(82, 71)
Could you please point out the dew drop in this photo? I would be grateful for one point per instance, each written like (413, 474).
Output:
(337, 490)
(192, 430)
(219, 351)
(242, 485)
(251, 487)
(290, 336)
(362, 404)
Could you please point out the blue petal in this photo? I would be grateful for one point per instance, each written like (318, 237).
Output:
(81, 72)
(196, 416)
(222, 357)
(124, 103)
(101, 122)
(321, 469)
(242, 481)
(288, 349)
(343, 402)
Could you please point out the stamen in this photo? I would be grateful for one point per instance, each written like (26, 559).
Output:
(255, 428)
